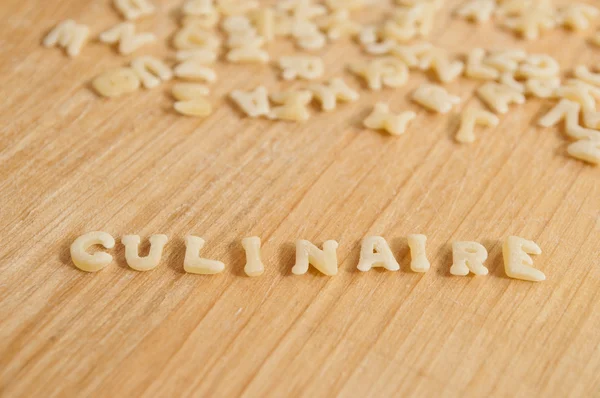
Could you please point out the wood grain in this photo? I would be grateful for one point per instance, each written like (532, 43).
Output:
(71, 163)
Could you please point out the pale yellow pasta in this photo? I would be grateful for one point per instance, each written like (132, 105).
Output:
(586, 150)
(194, 264)
(375, 252)
(542, 88)
(381, 48)
(591, 119)
(513, 7)
(505, 61)
(468, 257)
(192, 70)
(508, 79)
(250, 53)
(254, 265)
(116, 82)
(200, 56)
(477, 10)
(199, 7)
(236, 7)
(206, 21)
(418, 262)
(499, 96)
(584, 74)
(381, 72)
(197, 107)
(192, 37)
(124, 34)
(189, 91)
(583, 93)
(476, 69)
(324, 260)
(531, 22)
(517, 261)
(302, 9)
(368, 35)
(569, 112)
(338, 25)
(307, 34)
(92, 262)
(438, 61)
(471, 118)
(151, 71)
(69, 35)
(577, 16)
(134, 9)
(435, 98)
(237, 24)
(264, 22)
(401, 33)
(301, 66)
(539, 66)
(411, 54)
(294, 105)
(329, 94)
(336, 5)
(381, 118)
(149, 262)
(254, 103)
(421, 16)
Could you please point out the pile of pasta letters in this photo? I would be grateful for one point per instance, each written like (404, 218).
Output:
(397, 45)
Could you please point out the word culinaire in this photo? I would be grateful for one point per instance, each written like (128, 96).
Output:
(375, 252)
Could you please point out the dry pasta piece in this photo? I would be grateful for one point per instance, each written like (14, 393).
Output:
(439, 62)
(194, 264)
(302, 9)
(421, 16)
(134, 9)
(369, 34)
(189, 91)
(339, 24)
(208, 21)
(499, 96)
(577, 16)
(437, 4)
(580, 92)
(517, 261)
(584, 74)
(468, 257)
(587, 150)
(591, 119)
(381, 48)
(151, 71)
(254, 265)
(411, 54)
(249, 53)
(191, 70)
(294, 105)
(542, 88)
(198, 107)
(124, 34)
(301, 66)
(192, 37)
(151, 261)
(513, 7)
(539, 66)
(418, 262)
(477, 10)
(236, 7)
(198, 7)
(375, 252)
(435, 98)
(382, 119)
(531, 22)
(237, 24)
(476, 69)
(469, 119)
(264, 22)
(381, 72)
(116, 82)
(69, 35)
(505, 61)
(201, 56)
(91, 262)
(336, 5)
(307, 35)
(569, 112)
(508, 79)
(401, 33)
(254, 103)
(329, 94)
(323, 260)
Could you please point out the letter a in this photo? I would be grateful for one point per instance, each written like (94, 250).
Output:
(375, 252)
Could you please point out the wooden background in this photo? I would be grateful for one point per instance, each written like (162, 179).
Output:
(72, 163)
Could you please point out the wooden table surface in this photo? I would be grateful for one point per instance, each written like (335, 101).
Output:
(71, 163)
